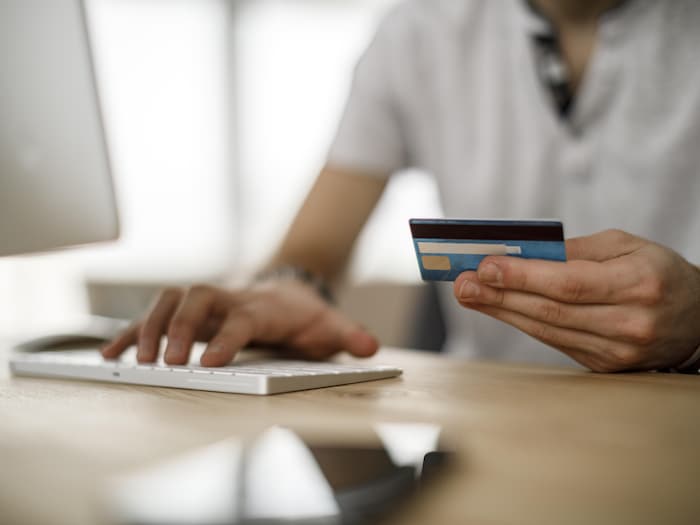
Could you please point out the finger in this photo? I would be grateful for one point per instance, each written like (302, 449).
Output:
(602, 246)
(236, 332)
(116, 347)
(210, 327)
(604, 355)
(155, 324)
(189, 318)
(571, 282)
(619, 322)
(328, 333)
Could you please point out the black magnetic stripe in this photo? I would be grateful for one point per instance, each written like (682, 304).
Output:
(491, 232)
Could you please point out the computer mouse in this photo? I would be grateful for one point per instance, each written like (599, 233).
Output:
(88, 332)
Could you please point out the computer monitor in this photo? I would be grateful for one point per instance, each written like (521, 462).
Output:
(55, 183)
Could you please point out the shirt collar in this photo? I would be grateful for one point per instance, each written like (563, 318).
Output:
(536, 21)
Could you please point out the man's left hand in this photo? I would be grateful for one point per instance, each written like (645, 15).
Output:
(620, 302)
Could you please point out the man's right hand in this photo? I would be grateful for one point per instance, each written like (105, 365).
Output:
(284, 313)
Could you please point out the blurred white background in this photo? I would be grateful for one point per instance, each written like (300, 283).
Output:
(218, 114)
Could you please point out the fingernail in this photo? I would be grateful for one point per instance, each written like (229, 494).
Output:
(490, 273)
(468, 290)
(216, 348)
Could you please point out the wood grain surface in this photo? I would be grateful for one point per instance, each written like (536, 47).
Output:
(534, 445)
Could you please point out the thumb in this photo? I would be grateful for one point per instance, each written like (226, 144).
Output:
(354, 338)
(361, 343)
(331, 333)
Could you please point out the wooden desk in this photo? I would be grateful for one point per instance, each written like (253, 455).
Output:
(536, 445)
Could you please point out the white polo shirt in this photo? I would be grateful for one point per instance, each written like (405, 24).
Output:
(450, 86)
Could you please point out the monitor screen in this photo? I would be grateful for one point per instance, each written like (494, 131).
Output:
(55, 183)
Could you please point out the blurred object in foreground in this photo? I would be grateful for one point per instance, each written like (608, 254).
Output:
(278, 478)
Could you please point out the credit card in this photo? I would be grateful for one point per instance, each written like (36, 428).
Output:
(447, 247)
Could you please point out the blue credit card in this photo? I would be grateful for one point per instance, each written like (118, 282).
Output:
(447, 247)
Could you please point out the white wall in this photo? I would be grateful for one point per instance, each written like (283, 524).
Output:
(295, 67)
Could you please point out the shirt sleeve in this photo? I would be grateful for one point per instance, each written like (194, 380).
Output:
(369, 136)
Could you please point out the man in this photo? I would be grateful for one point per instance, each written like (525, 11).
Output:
(580, 109)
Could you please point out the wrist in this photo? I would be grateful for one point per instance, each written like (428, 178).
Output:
(299, 274)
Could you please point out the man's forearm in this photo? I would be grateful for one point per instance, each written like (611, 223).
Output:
(324, 231)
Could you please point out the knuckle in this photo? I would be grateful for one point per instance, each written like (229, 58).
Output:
(170, 293)
(652, 289)
(269, 295)
(148, 330)
(180, 327)
(542, 332)
(498, 298)
(512, 278)
(144, 323)
(617, 236)
(200, 289)
(550, 312)
(622, 357)
(264, 292)
(247, 315)
(643, 329)
(572, 289)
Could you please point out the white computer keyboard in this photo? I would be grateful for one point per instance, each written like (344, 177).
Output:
(246, 375)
